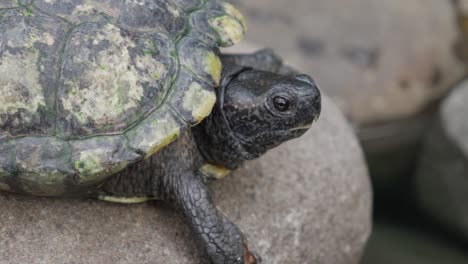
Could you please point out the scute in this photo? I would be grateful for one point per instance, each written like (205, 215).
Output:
(194, 99)
(8, 3)
(153, 15)
(79, 11)
(41, 165)
(188, 5)
(89, 87)
(201, 60)
(28, 70)
(111, 78)
(98, 157)
(158, 130)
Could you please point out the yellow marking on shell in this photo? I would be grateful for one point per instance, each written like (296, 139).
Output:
(214, 171)
(115, 82)
(229, 29)
(125, 200)
(168, 133)
(233, 11)
(155, 133)
(20, 87)
(199, 101)
(212, 65)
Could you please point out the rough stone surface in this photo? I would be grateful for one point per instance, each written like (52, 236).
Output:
(390, 244)
(442, 179)
(379, 60)
(307, 201)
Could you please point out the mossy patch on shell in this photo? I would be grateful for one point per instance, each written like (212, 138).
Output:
(110, 86)
(17, 74)
(89, 164)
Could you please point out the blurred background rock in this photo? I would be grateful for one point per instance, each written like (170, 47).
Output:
(385, 63)
(442, 178)
(388, 65)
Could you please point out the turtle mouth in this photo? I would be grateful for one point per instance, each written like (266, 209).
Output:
(263, 142)
(302, 127)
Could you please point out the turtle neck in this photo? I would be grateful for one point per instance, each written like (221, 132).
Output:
(215, 139)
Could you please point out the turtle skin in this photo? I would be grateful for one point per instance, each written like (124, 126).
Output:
(129, 101)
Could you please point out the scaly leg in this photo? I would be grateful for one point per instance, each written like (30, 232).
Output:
(221, 240)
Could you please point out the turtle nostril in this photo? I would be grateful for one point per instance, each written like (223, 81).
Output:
(305, 78)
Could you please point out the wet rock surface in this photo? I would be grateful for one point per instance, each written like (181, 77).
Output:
(307, 201)
(442, 178)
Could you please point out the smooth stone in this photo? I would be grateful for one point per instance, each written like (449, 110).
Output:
(307, 201)
(385, 63)
(379, 61)
(442, 177)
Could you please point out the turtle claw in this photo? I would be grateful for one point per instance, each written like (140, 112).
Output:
(257, 258)
(252, 257)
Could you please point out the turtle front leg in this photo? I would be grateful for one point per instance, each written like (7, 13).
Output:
(221, 240)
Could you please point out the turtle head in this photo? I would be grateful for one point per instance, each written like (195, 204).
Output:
(264, 109)
(256, 111)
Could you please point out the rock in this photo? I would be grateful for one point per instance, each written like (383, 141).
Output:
(442, 178)
(385, 63)
(390, 244)
(381, 61)
(308, 201)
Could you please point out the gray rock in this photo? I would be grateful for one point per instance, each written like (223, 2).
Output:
(379, 60)
(442, 179)
(390, 244)
(307, 201)
(384, 63)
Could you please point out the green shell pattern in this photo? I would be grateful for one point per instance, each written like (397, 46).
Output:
(89, 87)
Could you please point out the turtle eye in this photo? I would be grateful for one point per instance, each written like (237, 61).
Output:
(281, 104)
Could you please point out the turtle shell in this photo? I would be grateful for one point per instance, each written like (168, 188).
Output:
(89, 87)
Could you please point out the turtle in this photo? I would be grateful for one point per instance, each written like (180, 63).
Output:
(133, 100)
